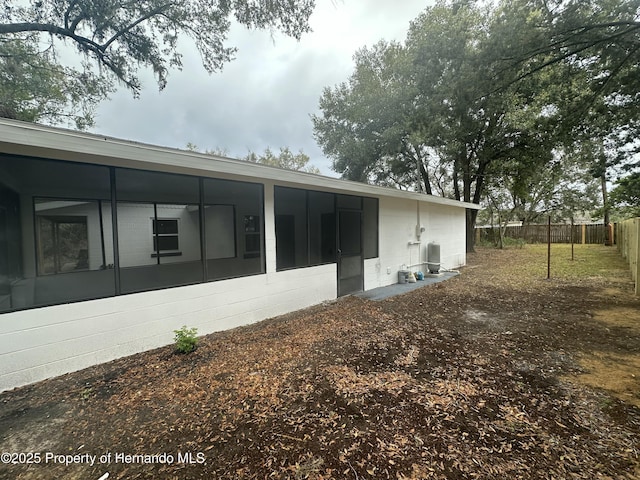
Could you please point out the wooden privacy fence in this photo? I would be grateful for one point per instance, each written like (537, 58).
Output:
(560, 233)
(628, 235)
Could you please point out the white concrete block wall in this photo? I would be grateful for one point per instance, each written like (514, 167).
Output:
(44, 342)
(445, 226)
(397, 223)
(399, 244)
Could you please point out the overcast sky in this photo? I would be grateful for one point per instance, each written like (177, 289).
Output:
(263, 98)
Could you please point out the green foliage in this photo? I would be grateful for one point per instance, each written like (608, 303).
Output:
(218, 151)
(527, 106)
(597, 44)
(186, 339)
(120, 38)
(285, 159)
(428, 113)
(34, 88)
(365, 123)
(87, 393)
(626, 196)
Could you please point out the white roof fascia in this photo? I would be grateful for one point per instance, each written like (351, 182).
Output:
(29, 139)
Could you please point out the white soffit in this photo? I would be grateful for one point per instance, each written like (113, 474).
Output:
(29, 139)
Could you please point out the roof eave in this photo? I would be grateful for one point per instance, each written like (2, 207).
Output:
(29, 139)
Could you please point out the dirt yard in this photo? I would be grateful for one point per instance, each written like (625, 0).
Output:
(495, 374)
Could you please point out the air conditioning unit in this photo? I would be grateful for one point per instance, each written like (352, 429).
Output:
(433, 258)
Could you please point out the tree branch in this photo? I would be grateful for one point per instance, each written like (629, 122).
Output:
(140, 20)
(47, 27)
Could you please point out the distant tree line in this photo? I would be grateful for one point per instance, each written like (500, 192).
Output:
(285, 159)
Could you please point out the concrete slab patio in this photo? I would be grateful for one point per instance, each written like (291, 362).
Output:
(381, 293)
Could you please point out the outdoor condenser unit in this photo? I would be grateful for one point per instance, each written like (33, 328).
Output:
(433, 257)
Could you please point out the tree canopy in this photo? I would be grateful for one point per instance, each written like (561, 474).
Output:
(626, 196)
(119, 38)
(426, 113)
(487, 101)
(33, 87)
(285, 159)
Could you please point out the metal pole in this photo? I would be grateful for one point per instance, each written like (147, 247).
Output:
(636, 223)
(549, 249)
(572, 240)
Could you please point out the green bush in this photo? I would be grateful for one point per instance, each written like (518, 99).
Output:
(186, 339)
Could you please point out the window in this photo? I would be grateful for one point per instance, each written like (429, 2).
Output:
(349, 202)
(55, 233)
(322, 228)
(10, 245)
(170, 230)
(165, 236)
(305, 228)
(62, 244)
(234, 228)
(251, 236)
(70, 235)
(220, 233)
(292, 249)
(159, 238)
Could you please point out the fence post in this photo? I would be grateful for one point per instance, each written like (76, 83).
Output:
(584, 234)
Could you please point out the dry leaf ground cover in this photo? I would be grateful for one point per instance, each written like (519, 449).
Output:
(497, 373)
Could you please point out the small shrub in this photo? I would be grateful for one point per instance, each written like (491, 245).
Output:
(186, 339)
(86, 393)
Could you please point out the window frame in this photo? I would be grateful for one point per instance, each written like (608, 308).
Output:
(36, 229)
(165, 252)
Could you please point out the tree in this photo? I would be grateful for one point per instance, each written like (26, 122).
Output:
(603, 36)
(429, 103)
(529, 191)
(218, 151)
(599, 42)
(34, 88)
(626, 196)
(366, 122)
(120, 38)
(285, 159)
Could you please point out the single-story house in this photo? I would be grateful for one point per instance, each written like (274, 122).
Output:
(107, 246)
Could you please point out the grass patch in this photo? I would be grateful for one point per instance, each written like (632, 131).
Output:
(589, 262)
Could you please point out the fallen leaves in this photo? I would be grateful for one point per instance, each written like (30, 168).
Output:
(475, 388)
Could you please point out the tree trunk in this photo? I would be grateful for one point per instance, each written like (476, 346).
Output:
(424, 174)
(472, 214)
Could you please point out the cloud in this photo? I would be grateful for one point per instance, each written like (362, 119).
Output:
(263, 98)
